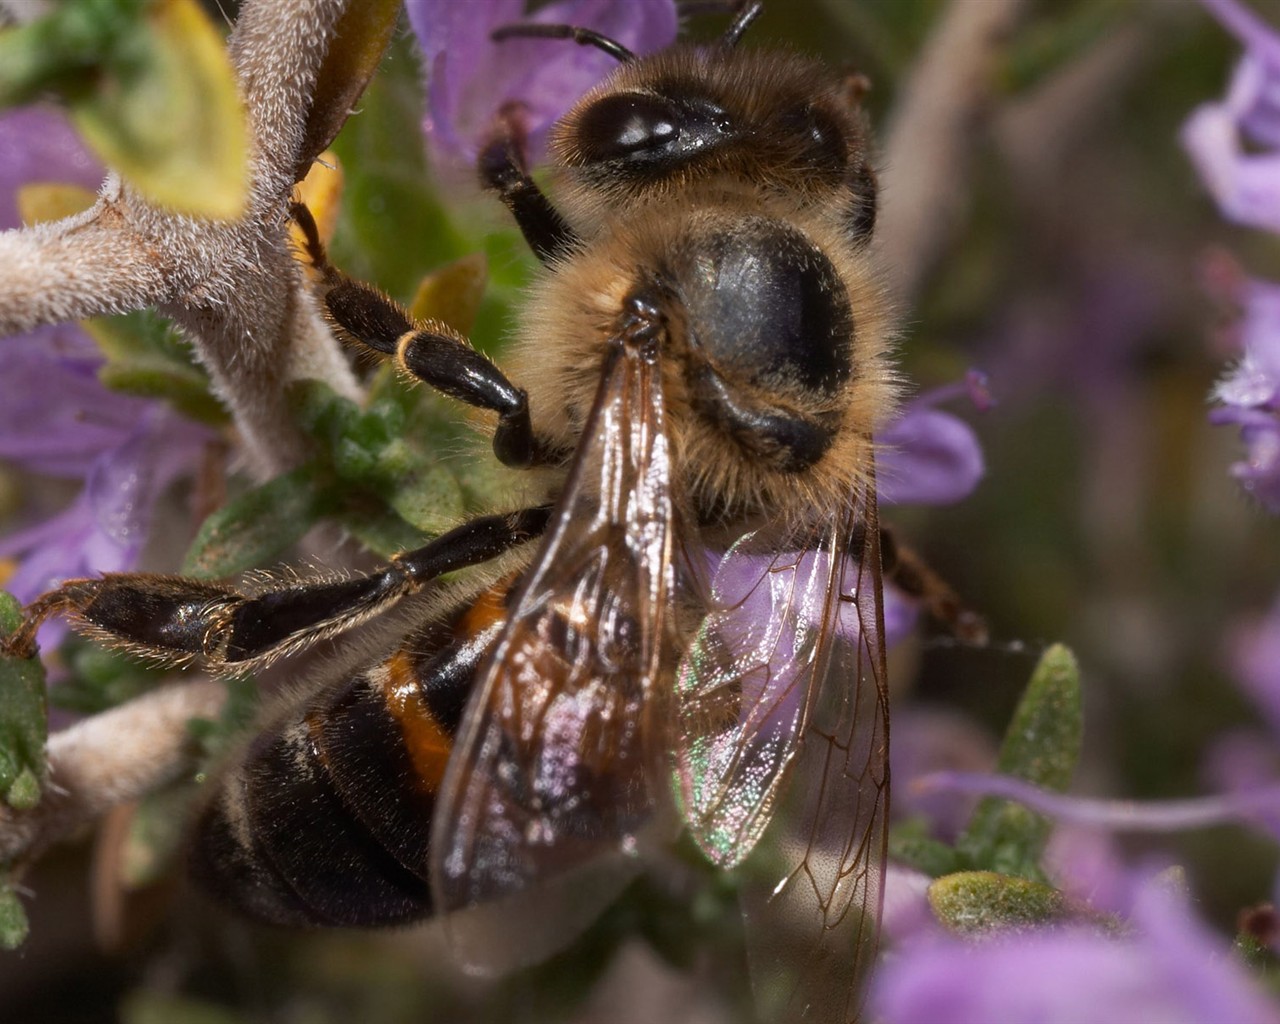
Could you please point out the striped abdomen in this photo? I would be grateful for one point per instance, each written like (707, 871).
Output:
(326, 819)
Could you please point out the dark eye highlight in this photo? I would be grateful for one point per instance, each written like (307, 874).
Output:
(621, 125)
(648, 131)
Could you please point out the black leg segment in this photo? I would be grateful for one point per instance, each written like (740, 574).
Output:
(175, 620)
(503, 166)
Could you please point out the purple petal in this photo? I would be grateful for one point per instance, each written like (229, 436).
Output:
(928, 457)
(1259, 807)
(1240, 759)
(55, 417)
(1194, 967)
(1068, 976)
(105, 528)
(1252, 32)
(900, 616)
(469, 77)
(928, 740)
(1255, 659)
(1244, 184)
(38, 144)
(906, 916)
(1255, 380)
(1170, 969)
(1086, 865)
(1259, 473)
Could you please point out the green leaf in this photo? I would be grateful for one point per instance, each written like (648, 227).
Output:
(383, 454)
(260, 525)
(383, 532)
(63, 51)
(168, 117)
(321, 412)
(24, 725)
(152, 91)
(147, 357)
(148, 1007)
(356, 49)
(1042, 746)
(391, 229)
(214, 737)
(910, 844)
(156, 836)
(978, 902)
(14, 926)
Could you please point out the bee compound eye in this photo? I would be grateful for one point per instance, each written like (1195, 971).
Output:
(621, 125)
(649, 133)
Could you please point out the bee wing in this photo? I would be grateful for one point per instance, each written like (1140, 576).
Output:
(815, 886)
(561, 757)
(746, 687)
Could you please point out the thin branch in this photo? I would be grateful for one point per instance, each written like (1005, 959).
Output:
(932, 135)
(233, 286)
(107, 760)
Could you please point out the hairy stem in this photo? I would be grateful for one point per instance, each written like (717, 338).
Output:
(233, 286)
(117, 756)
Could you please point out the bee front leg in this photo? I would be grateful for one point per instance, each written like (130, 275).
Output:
(174, 620)
(504, 168)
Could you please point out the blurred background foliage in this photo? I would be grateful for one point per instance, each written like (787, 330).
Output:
(1077, 278)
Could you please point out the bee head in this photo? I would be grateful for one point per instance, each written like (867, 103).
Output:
(763, 120)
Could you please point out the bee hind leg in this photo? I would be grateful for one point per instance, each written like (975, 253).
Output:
(174, 620)
(910, 573)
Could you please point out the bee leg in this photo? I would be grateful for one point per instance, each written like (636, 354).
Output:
(911, 574)
(503, 166)
(174, 620)
(436, 354)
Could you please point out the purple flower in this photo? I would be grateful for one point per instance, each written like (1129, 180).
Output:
(1256, 657)
(1167, 967)
(57, 419)
(906, 915)
(38, 144)
(1235, 146)
(928, 740)
(930, 457)
(1233, 142)
(1250, 390)
(1259, 805)
(470, 77)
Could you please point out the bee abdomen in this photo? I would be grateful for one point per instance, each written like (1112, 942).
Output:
(282, 846)
(327, 819)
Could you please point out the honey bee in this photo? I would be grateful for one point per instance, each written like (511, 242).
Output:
(685, 630)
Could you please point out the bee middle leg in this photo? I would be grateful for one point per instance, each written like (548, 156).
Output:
(431, 352)
(175, 620)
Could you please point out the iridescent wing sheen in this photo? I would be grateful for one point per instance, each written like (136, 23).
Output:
(814, 886)
(784, 750)
(745, 688)
(561, 760)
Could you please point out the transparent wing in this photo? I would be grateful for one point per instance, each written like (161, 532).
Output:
(747, 684)
(560, 761)
(814, 886)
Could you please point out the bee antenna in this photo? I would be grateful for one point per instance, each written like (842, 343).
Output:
(747, 13)
(581, 36)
